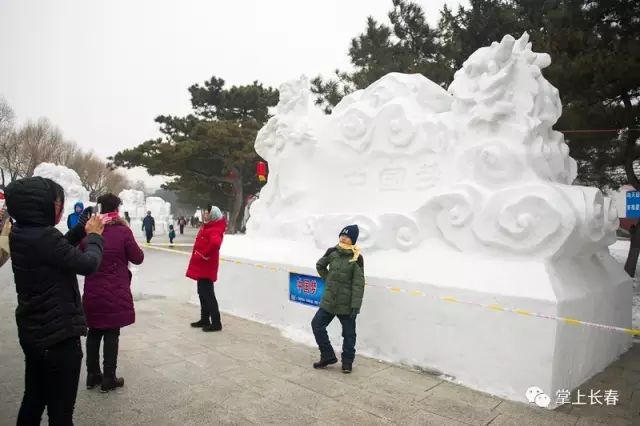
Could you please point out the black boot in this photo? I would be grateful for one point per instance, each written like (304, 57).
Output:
(93, 380)
(200, 324)
(324, 362)
(110, 383)
(347, 367)
(212, 327)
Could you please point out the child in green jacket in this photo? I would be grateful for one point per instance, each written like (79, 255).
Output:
(342, 269)
(172, 234)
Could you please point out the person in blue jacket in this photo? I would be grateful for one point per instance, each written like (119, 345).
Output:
(72, 219)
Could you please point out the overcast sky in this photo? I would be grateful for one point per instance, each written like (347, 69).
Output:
(102, 70)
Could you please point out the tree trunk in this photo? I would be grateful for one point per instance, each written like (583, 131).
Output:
(237, 202)
(630, 156)
(235, 180)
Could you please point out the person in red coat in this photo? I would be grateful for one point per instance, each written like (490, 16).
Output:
(107, 298)
(203, 266)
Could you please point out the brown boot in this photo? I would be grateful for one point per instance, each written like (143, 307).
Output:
(111, 383)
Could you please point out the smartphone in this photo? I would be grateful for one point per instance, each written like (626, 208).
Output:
(108, 217)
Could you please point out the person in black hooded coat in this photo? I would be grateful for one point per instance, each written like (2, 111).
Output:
(49, 315)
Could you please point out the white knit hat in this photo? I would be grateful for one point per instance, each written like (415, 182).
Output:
(215, 214)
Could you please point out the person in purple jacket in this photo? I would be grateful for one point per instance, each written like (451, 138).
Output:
(107, 298)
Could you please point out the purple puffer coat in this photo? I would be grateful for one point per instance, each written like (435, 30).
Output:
(107, 298)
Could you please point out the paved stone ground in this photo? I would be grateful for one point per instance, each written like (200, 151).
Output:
(250, 374)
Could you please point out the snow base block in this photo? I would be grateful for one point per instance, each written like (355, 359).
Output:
(491, 350)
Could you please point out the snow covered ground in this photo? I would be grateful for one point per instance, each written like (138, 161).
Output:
(619, 251)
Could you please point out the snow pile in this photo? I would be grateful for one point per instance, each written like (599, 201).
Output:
(478, 167)
(70, 181)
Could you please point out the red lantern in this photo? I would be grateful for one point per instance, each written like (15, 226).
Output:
(261, 171)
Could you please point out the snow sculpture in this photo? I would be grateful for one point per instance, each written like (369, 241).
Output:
(134, 202)
(160, 210)
(464, 192)
(478, 166)
(70, 181)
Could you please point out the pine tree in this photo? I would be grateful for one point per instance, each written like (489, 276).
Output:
(209, 152)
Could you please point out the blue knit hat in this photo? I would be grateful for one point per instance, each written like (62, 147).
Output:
(351, 231)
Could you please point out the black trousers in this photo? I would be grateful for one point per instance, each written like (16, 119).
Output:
(110, 351)
(319, 325)
(632, 261)
(209, 311)
(51, 379)
(181, 229)
(149, 235)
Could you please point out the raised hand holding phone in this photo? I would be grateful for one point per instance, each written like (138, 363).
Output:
(94, 225)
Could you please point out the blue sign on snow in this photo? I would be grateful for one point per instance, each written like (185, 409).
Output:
(305, 289)
(633, 204)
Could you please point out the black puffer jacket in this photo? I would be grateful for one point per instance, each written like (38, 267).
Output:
(45, 264)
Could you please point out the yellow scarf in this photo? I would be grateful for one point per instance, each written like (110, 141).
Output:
(354, 248)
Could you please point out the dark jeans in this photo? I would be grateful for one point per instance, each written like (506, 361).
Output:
(149, 235)
(110, 351)
(319, 326)
(51, 379)
(181, 229)
(632, 261)
(208, 302)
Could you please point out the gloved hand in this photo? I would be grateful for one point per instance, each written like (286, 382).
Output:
(85, 216)
(354, 313)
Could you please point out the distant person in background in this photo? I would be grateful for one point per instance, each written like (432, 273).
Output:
(634, 251)
(107, 298)
(182, 222)
(127, 218)
(149, 226)
(72, 219)
(172, 234)
(49, 314)
(342, 268)
(4, 237)
(203, 267)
